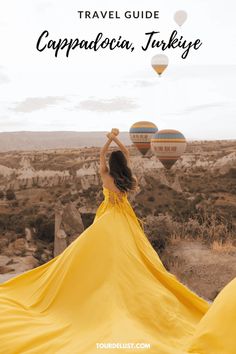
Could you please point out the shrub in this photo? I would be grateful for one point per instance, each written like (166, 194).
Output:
(151, 199)
(232, 173)
(46, 231)
(10, 194)
(44, 227)
(66, 198)
(87, 219)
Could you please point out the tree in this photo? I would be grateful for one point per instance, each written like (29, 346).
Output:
(10, 194)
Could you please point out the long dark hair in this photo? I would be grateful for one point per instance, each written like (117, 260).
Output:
(121, 172)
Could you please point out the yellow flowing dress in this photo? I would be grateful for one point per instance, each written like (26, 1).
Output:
(216, 332)
(108, 286)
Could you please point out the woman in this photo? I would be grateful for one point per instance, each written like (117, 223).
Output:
(108, 286)
(118, 177)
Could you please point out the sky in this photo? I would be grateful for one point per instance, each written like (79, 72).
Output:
(95, 91)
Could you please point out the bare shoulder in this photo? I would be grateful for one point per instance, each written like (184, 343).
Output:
(109, 183)
(107, 179)
(104, 176)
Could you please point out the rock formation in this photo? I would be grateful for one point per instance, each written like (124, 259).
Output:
(176, 184)
(68, 226)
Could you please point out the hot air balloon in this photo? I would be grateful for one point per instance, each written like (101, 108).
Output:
(168, 145)
(141, 134)
(180, 17)
(160, 63)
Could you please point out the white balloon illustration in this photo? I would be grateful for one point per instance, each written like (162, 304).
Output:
(180, 17)
(159, 63)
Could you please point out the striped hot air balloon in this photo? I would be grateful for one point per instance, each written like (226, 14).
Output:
(168, 145)
(141, 134)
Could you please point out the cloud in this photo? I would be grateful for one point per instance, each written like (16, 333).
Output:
(201, 107)
(144, 83)
(4, 119)
(43, 6)
(31, 104)
(7, 123)
(117, 104)
(138, 83)
(4, 79)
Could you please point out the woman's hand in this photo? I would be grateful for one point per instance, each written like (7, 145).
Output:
(122, 147)
(115, 131)
(110, 136)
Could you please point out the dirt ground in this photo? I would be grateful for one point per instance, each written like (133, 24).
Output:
(202, 269)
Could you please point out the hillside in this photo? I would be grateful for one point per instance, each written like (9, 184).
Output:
(189, 212)
(11, 141)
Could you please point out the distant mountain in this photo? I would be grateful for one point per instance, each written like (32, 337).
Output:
(27, 140)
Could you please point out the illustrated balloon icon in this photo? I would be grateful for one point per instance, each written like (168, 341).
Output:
(180, 17)
(141, 134)
(159, 63)
(168, 145)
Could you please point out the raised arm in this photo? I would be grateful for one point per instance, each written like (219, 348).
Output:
(103, 166)
(122, 147)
